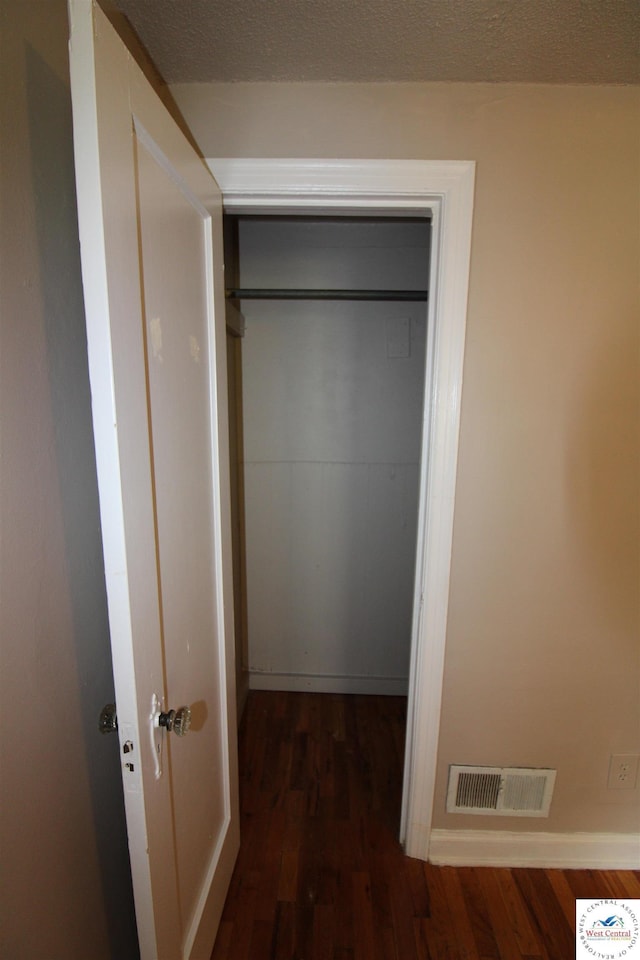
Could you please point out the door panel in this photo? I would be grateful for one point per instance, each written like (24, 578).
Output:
(151, 234)
(175, 307)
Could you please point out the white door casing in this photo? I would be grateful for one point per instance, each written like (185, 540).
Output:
(150, 218)
(443, 190)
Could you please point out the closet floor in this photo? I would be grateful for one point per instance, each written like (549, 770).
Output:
(321, 875)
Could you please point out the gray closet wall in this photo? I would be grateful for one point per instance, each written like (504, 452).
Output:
(332, 396)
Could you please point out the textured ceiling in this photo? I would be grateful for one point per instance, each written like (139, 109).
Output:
(530, 41)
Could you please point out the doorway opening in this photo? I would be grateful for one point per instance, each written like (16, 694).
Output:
(443, 191)
(327, 338)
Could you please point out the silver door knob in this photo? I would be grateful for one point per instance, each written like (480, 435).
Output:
(177, 720)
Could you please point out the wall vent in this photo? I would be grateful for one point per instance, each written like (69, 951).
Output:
(500, 791)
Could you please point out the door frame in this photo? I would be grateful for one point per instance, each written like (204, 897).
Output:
(443, 190)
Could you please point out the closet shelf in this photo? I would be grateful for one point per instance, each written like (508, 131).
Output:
(254, 293)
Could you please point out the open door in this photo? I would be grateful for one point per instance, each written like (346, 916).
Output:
(150, 218)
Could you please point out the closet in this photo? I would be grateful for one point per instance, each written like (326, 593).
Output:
(327, 328)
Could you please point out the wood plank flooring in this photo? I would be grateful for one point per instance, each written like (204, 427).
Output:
(321, 876)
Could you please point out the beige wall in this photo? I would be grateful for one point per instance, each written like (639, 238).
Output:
(542, 662)
(66, 885)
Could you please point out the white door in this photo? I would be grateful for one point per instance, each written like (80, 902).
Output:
(151, 236)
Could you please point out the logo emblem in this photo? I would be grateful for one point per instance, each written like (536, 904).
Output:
(608, 929)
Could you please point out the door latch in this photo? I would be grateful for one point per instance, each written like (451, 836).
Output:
(177, 721)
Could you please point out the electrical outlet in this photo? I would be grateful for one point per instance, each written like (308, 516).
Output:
(623, 771)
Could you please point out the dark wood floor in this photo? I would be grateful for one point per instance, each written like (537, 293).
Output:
(321, 876)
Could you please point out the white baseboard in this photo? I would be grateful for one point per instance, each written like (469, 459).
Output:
(317, 683)
(502, 848)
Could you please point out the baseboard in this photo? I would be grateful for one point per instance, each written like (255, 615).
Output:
(318, 683)
(502, 848)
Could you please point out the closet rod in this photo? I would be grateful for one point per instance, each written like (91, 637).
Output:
(247, 293)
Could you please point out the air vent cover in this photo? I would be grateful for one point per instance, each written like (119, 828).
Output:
(501, 791)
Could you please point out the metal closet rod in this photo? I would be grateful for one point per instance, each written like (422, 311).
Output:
(255, 293)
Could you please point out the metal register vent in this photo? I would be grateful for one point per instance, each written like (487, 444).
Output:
(501, 791)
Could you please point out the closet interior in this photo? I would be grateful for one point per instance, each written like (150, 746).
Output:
(326, 321)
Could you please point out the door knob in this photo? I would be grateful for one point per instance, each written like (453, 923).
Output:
(177, 720)
(108, 722)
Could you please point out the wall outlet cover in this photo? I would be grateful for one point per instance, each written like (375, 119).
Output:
(623, 771)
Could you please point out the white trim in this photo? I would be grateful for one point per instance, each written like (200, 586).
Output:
(444, 191)
(325, 683)
(565, 851)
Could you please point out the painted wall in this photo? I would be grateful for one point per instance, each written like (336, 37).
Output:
(66, 891)
(542, 665)
(332, 406)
